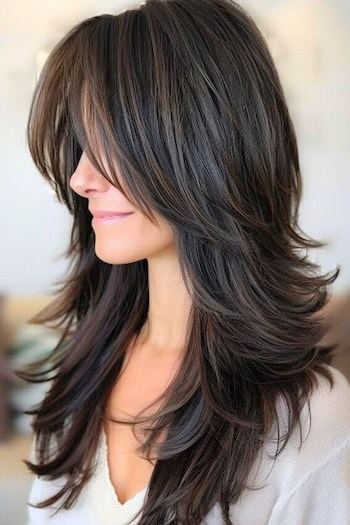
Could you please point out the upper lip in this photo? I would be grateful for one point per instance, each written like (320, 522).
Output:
(101, 213)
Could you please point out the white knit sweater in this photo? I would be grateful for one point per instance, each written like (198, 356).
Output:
(306, 487)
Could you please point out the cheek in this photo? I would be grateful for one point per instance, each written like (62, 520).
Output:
(132, 240)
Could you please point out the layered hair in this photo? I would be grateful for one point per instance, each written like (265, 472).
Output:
(192, 123)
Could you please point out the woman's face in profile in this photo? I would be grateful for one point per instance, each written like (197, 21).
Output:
(128, 240)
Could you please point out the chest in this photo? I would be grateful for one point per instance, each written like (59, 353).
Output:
(139, 383)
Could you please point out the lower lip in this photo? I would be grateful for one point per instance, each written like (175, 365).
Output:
(110, 220)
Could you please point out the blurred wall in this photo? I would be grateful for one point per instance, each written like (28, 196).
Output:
(311, 45)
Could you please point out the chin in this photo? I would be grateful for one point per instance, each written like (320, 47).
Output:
(114, 258)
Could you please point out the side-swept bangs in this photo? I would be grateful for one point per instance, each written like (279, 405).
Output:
(78, 106)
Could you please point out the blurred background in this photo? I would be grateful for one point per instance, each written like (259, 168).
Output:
(310, 42)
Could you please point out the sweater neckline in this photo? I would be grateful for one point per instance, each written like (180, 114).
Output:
(107, 480)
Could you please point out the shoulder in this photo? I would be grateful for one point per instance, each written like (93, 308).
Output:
(329, 411)
(333, 396)
(322, 433)
(319, 493)
(303, 482)
(314, 479)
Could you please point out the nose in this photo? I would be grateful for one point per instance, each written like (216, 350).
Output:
(86, 180)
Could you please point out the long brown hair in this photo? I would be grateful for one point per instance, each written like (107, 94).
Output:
(186, 101)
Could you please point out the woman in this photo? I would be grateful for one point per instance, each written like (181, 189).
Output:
(189, 366)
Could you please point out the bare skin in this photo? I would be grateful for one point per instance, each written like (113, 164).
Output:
(152, 361)
(142, 379)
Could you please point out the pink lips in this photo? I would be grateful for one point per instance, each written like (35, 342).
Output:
(109, 217)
